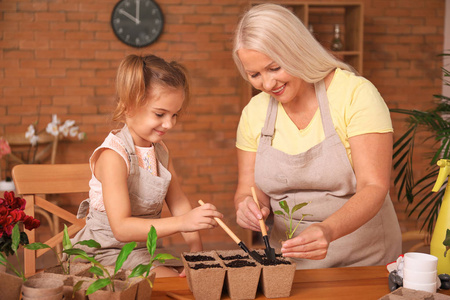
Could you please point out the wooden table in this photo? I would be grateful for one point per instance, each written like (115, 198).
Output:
(334, 283)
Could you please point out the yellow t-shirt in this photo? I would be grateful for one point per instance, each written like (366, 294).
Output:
(356, 108)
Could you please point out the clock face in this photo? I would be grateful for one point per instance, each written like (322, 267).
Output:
(137, 23)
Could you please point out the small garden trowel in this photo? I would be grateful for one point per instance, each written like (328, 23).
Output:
(270, 252)
(255, 255)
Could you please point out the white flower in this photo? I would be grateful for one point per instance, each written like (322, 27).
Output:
(52, 129)
(55, 119)
(34, 139)
(73, 131)
(30, 132)
(64, 130)
(69, 123)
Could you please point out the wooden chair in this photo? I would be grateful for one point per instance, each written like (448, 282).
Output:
(34, 181)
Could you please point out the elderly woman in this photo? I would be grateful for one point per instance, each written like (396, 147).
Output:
(317, 133)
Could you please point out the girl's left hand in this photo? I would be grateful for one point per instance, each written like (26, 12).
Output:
(311, 243)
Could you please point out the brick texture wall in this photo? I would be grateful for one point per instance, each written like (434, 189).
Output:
(60, 57)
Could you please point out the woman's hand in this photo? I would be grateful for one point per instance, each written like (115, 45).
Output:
(311, 243)
(248, 214)
(201, 217)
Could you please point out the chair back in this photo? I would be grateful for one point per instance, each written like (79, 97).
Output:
(33, 182)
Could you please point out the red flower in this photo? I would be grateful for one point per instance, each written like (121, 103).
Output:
(14, 202)
(31, 223)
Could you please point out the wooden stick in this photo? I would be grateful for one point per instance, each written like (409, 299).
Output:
(224, 226)
(261, 221)
(176, 296)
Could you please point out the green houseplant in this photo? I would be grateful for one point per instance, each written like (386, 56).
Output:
(289, 214)
(428, 125)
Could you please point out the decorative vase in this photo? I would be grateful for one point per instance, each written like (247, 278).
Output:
(42, 289)
(437, 247)
(10, 286)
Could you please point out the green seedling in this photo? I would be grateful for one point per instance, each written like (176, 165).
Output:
(68, 249)
(288, 214)
(104, 278)
(139, 270)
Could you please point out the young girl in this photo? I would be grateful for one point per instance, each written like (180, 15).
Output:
(132, 173)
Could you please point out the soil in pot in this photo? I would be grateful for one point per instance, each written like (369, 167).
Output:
(194, 258)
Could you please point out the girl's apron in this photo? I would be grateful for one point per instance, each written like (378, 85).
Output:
(147, 193)
(324, 177)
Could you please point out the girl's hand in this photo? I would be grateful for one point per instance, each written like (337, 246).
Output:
(312, 243)
(201, 217)
(183, 273)
(248, 214)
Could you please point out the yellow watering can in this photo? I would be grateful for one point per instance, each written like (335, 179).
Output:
(437, 247)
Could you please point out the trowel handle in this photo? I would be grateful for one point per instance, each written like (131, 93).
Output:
(224, 227)
(444, 172)
(261, 221)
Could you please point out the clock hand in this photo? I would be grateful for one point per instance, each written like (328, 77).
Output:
(138, 5)
(126, 14)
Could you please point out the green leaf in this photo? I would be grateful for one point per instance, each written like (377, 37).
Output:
(67, 244)
(88, 258)
(97, 285)
(139, 270)
(299, 206)
(97, 271)
(123, 255)
(278, 212)
(447, 238)
(283, 204)
(2, 258)
(151, 240)
(89, 243)
(15, 236)
(36, 246)
(162, 257)
(74, 251)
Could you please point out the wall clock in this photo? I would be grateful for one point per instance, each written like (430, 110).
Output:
(137, 23)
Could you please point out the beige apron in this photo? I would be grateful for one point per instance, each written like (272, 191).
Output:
(324, 176)
(147, 193)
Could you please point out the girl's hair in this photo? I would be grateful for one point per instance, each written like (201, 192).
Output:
(275, 31)
(137, 75)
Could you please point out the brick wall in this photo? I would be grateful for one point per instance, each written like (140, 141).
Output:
(60, 57)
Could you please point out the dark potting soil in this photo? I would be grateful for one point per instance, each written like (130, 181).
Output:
(194, 258)
(267, 262)
(231, 257)
(240, 264)
(205, 266)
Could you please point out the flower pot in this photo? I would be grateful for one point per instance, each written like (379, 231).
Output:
(10, 286)
(124, 291)
(242, 274)
(205, 276)
(7, 185)
(276, 280)
(42, 289)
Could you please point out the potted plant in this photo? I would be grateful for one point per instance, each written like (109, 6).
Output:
(433, 125)
(107, 287)
(12, 218)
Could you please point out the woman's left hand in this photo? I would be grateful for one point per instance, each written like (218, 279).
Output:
(312, 243)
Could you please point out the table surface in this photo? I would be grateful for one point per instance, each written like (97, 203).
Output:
(334, 283)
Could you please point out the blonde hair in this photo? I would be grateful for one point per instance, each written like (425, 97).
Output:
(275, 31)
(137, 75)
